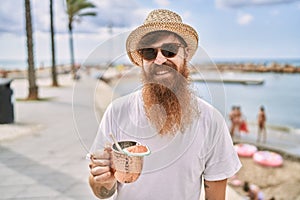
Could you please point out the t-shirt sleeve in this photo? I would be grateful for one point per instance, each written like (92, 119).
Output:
(221, 161)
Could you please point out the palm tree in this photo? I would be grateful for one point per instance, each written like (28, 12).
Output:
(54, 74)
(33, 89)
(75, 10)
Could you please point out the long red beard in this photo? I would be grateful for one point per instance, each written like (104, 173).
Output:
(169, 108)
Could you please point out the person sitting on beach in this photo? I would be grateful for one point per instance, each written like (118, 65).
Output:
(188, 138)
(253, 191)
(261, 121)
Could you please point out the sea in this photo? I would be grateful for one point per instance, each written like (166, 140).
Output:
(279, 93)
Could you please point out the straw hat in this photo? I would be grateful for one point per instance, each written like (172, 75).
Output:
(157, 20)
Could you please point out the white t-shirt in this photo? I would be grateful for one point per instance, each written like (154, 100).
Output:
(176, 165)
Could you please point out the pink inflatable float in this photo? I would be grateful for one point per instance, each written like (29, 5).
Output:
(268, 158)
(245, 150)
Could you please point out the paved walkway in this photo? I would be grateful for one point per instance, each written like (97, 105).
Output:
(46, 160)
(42, 155)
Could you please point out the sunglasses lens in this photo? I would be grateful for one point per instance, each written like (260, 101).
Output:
(169, 50)
(148, 53)
(168, 54)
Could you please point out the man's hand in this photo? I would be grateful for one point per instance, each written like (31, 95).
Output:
(102, 180)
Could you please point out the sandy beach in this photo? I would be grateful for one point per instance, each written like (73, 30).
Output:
(282, 183)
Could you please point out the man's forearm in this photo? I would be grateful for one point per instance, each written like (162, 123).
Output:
(102, 191)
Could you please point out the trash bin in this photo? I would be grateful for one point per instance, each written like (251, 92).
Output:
(6, 102)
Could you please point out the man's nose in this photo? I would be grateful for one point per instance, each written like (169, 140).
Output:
(160, 59)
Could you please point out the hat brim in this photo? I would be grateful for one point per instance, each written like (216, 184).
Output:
(188, 34)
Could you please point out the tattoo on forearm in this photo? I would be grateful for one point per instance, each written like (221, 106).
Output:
(105, 193)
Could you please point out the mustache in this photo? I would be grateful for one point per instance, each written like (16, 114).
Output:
(168, 65)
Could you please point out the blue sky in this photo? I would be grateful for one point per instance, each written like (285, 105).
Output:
(227, 28)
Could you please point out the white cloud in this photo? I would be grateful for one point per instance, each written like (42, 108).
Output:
(11, 17)
(244, 19)
(162, 2)
(89, 32)
(120, 14)
(243, 3)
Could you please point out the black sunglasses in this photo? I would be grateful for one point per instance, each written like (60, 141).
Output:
(169, 50)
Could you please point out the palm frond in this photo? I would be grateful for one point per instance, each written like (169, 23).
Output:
(87, 14)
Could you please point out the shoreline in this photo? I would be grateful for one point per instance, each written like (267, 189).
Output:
(279, 127)
(249, 67)
(273, 126)
(262, 68)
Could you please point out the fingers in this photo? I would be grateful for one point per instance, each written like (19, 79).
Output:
(102, 162)
(107, 147)
(96, 171)
(102, 154)
(100, 166)
(106, 177)
(100, 158)
(102, 174)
